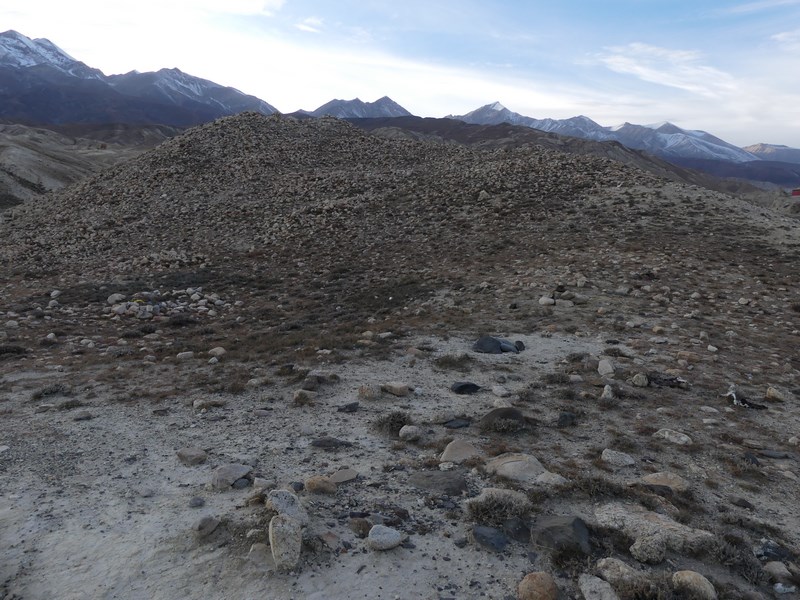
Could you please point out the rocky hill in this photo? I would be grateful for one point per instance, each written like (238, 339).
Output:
(286, 358)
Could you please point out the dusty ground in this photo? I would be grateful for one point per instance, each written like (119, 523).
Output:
(691, 289)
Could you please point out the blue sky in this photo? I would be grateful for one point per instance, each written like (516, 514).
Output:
(731, 68)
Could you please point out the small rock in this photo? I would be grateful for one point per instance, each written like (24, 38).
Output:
(616, 572)
(192, 456)
(778, 572)
(605, 368)
(517, 467)
(396, 388)
(616, 459)
(500, 391)
(608, 394)
(196, 502)
(285, 540)
(225, 476)
(207, 403)
(567, 419)
(458, 451)
(537, 586)
(319, 484)
(490, 538)
(286, 503)
(350, 407)
(464, 387)
(640, 380)
(184, 355)
(561, 534)
(774, 395)
(674, 437)
(410, 433)
(83, 415)
(546, 301)
(303, 397)
(217, 352)
(594, 588)
(782, 588)
(115, 299)
(360, 526)
(694, 585)
(381, 537)
(206, 526)
(344, 476)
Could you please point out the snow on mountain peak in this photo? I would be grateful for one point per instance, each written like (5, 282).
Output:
(497, 106)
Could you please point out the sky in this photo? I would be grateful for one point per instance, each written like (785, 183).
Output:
(731, 68)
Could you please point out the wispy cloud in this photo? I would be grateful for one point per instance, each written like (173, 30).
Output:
(789, 40)
(311, 25)
(681, 69)
(752, 7)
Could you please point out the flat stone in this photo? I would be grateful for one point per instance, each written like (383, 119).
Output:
(225, 476)
(192, 456)
(778, 571)
(458, 451)
(500, 391)
(674, 482)
(516, 466)
(694, 585)
(285, 541)
(640, 380)
(537, 586)
(444, 482)
(674, 437)
(381, 537)
(492, 345)
(616, 572)
(184, 355)
(217, 352)
(206, 526)
(616, 459)
(304, 397)
(320, 484)
(344, 476)
(594, 588)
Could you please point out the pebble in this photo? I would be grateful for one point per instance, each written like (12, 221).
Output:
(196, 502)
(537, 586)
(694, 585)
(217, 352)
(285, 541)
(206, 526)
(464, 387)
(444, 482)
(381, 537)
(674, 482)
(185, 355)
(616, 459)
(640, 380)
(83, 415)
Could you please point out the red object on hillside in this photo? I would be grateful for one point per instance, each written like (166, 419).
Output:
(796, 192)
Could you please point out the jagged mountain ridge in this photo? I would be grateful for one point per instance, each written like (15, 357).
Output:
(358, 109)
(41, 84)
(665, 139)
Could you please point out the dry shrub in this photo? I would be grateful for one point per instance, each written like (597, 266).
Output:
(455, 362)
(391, 423)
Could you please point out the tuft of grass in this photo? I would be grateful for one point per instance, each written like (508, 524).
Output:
(455, 362)
(555, 378)
(54, 389)
(391, 423)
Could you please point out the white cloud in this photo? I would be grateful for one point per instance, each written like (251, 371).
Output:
(311, 25)
(681, 69)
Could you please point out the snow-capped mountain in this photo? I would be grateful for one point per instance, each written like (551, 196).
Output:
(42, 84)
(358, 109)
(19, 51)
(775, 152)
(664, 139)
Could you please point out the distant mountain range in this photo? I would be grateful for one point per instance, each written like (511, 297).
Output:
(40, 84)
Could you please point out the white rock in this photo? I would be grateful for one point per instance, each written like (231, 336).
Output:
(546, 301)
(381, 537)
(617, 459)
(286, 503)
(605, 367)
(410, 433)
(217, 352)
(674, 437)
(594, 588)
(184, 355)
(286, 541)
